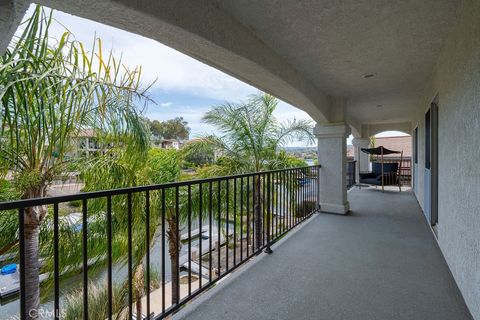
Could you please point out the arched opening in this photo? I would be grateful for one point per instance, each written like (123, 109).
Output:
(397, 141)
(391, 133)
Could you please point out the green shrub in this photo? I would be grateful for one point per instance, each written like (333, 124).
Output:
(75, 203)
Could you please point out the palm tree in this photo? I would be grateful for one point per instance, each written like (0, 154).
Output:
(160, 166)
(164, 166)
(250, 141)
(119, 170)
(49, 93)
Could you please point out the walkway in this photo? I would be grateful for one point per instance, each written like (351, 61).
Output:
(380, 262)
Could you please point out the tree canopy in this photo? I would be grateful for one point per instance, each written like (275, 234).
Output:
(250, 137)
(176, 128)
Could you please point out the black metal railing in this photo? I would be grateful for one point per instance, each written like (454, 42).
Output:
(404, 169)
(150, 249)
(351, 173)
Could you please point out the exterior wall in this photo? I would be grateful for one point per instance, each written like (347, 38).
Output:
(456, 80)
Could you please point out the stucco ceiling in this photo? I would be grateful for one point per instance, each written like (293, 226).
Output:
(309, 52)
(335, 43)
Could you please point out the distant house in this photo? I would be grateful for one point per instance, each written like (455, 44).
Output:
(171, 143)
(350, 152)
(85, 144)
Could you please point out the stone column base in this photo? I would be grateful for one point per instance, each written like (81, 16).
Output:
(335, 208)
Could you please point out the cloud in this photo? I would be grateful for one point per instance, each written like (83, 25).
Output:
(183, 86)
(170, 69)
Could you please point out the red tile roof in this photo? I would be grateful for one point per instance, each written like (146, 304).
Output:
(350, 151)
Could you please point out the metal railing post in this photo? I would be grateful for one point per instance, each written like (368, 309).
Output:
(21, 219)
(269, 211)
(318, 187)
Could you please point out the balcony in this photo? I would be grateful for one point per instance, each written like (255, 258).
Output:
(379, 262)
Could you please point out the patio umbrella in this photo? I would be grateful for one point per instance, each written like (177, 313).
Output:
(379, 151)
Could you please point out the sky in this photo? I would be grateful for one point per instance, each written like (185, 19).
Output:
(183, 86)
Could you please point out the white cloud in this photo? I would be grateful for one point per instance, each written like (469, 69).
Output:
(166, 104)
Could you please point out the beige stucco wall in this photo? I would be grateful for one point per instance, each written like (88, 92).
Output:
(456, 80)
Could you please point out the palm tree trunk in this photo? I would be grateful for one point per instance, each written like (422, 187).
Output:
(139, 289)
(173, 250)
(258, 213)
(33, 218)
(31, 268)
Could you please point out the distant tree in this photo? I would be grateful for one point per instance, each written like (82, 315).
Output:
(155, 128)
(176, 128)
(198, 153)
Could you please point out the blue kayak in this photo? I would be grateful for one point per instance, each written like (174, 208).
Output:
(9, 269)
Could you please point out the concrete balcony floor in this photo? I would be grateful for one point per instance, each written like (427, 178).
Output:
(380, 262)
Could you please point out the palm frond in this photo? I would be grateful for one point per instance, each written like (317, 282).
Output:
(51, 91)
(251, 136)
(300, 130)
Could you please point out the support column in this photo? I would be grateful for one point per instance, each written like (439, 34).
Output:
(363, 163)
(11, 14)
(332, 156)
